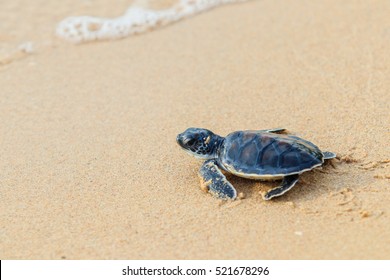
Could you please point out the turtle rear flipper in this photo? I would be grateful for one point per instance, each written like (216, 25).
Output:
(329, 155)
(215, 182)
(274, 130)
(287, 183)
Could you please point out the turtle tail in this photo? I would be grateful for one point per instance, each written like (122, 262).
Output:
(329, 155)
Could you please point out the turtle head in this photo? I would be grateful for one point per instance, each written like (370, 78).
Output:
(199, 142)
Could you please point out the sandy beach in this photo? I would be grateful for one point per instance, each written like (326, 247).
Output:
(89, 165)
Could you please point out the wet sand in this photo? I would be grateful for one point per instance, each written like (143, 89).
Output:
(89, 167)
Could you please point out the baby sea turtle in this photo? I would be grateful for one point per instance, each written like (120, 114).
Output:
(253, 154)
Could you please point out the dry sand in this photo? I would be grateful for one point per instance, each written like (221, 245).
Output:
(89, 167)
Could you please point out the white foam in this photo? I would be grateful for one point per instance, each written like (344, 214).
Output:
(135, 20)
(27, 47)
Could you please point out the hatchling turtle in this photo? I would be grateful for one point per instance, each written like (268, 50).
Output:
(253, 154)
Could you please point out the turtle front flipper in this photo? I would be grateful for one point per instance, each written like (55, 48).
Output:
(215, 182)
(274, 130)
(287, 183)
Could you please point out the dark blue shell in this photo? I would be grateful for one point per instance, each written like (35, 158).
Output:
(267, 154)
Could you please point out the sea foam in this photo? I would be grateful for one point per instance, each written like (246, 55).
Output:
(135, 20)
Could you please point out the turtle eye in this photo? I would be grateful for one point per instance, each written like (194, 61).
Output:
(191, 142)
